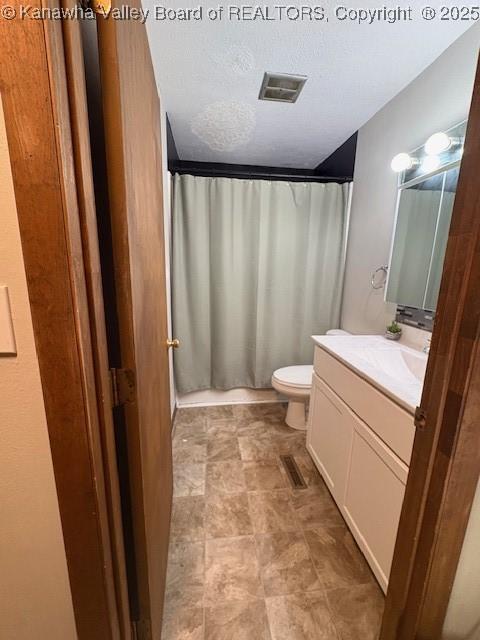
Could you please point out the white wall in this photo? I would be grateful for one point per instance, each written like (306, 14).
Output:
(35, 599)
(463, 615)
(437, 99)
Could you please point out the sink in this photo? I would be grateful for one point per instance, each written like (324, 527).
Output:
(416, 363)
(394, 368)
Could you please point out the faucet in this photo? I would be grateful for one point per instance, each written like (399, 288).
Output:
(426, 347)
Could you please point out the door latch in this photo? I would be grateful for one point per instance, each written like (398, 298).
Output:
(123, 386)
(420, 420)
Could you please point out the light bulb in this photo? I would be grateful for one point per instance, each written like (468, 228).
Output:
(438, 143)
(430, 163)
(402, 162)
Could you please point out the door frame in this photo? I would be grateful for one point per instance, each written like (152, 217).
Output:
(445, 464)
(49, 159)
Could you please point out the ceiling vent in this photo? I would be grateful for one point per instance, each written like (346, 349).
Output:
(281, 87)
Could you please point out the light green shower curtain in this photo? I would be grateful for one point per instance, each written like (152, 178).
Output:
(257, 269)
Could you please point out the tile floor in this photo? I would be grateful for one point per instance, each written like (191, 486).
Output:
(250, 558)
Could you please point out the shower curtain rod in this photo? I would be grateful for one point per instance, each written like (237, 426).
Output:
(218, 170)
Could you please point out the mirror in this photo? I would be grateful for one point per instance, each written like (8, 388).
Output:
(440, 244)
(427, 184)
(420, 240)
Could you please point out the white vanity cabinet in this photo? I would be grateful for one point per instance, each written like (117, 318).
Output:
(330, 442)
(361, 442)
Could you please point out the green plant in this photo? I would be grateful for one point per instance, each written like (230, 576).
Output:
(394, 327)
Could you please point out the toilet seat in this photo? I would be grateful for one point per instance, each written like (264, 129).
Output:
(298, 376)
(296, 382)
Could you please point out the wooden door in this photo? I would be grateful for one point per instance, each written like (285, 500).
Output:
(46, 136)
(131, 115)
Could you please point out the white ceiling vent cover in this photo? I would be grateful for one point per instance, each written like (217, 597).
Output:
(281, 87)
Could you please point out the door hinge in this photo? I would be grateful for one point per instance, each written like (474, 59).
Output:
(103, 7)
(141, 630)
(123, 386)
(420, 418)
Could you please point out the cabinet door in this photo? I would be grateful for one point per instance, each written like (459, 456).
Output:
(373, 498)
(329, 437)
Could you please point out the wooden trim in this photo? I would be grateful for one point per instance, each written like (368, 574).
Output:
(32, 81)
(75, 72)
(445, 464)
(114, 134)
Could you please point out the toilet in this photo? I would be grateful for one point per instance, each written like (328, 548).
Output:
(295, 383)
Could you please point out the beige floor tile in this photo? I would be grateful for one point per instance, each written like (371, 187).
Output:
(190, 448)
(223, 427)
(264, 475)
(225, 477)
(266, 412)
(285, 564)
(219, 412)
(254, 429)
(241, 411)
(272, 411)
(268, 585)
(357, 611)
(257, 448)
(338, 560)
(188, 430)
(291, 443)
(232, 572)
(271, 511)
(185, 575)
(195, 415)
(183, 624)
(315, 506)
(281, 428)
(223, 448)
(302, 616)
(188, 515)
(189, 479)
(227, 516)
(250, 411)
(237, 621)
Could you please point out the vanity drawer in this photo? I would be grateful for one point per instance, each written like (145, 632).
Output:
(389, 421)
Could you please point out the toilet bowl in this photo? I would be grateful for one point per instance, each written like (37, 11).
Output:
(295, 383)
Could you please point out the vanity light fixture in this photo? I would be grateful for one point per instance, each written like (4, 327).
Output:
(438, 143)
(402, 162)
(442, 149)
(441, 142)
(430, 163)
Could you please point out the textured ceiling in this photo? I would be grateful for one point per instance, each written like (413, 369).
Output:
(209, 76)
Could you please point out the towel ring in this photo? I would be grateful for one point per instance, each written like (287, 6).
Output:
(379, 285)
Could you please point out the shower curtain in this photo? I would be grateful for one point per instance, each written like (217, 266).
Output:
(257, 269)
